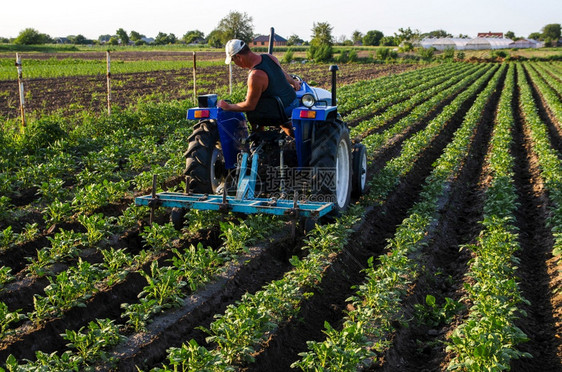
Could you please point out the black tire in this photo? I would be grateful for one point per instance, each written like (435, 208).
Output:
(331, 162)
(204, 163)
(359, 178)
(177, 217)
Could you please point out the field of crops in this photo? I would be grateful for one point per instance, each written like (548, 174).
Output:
(67, 83)
(451, 261)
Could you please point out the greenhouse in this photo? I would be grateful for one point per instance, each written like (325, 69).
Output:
(449, 43)
(488, 43)
(526, 43)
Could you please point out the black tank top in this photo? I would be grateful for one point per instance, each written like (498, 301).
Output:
(278, 85)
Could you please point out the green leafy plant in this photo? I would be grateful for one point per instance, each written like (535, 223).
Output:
(97, 226)
(432, 314)
(7, 238)
(164, 285)
(192, 357)
(52, 190)
(7, 317)
(160, 237)
(101, 334)
(57, 212)
(5, 275)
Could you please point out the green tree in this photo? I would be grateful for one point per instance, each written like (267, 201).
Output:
(122, 35)
(321, 45)
(79, 39)
(31, 36)
(164, 39)
(135, 36)
(215, 39)
(193, 36)
(104, 38)
(406, 34)
(437, 34)
(294, 40)
(389, 41)
(322, 34)
(373, 37)
(510, 35)
(535, 36)
(236, 25)
(551, 31)
(357, 37)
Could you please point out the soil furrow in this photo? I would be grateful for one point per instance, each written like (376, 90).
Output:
(420, 346)
(536, 243)
(547, 117)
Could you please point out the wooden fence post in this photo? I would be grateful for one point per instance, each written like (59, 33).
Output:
(22, 95)
(194, 78)
(108, 84)
(230, 78)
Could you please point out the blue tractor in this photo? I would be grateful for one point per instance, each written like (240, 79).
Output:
(310, 174)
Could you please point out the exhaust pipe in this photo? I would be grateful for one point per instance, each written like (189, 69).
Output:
(271, 40)
(334, 69)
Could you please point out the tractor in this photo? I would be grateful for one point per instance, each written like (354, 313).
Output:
(312, 173)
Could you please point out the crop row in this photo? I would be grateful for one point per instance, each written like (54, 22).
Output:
(357, 96)
(549, 158)
(550, 90)
(377, 304)
(166, 286)
(437, 95)
(488, 337)
(410, 86)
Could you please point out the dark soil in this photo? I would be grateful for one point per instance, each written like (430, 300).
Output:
(77, 93)
(416, 348)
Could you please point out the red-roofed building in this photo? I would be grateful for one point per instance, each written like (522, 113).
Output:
(263, 41)
(498, 35)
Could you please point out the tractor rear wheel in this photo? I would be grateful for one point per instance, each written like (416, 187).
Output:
(204, 162)
(359, 182)
(332, 162)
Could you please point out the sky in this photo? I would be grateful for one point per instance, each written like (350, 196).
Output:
(289, 17)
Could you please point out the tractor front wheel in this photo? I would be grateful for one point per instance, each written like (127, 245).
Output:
(331, 162)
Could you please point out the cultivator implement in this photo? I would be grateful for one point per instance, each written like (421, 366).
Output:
(278, 207)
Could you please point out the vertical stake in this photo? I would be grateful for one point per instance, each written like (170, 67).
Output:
(22, 95)
(108, 84)
(194, 78)
(153, 206)
(294, 222)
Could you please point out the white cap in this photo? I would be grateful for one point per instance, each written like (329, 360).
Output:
(232, 47)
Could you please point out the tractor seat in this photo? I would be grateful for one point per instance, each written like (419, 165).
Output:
(269, 112)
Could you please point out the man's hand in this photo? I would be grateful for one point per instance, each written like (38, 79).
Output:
(296, 84)
(223, 105)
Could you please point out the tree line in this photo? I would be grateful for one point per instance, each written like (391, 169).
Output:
(239, 25)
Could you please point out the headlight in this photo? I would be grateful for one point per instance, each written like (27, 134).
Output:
(308, 100)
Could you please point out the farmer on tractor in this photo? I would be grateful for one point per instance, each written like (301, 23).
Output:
(311, 174)
(271, 93)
